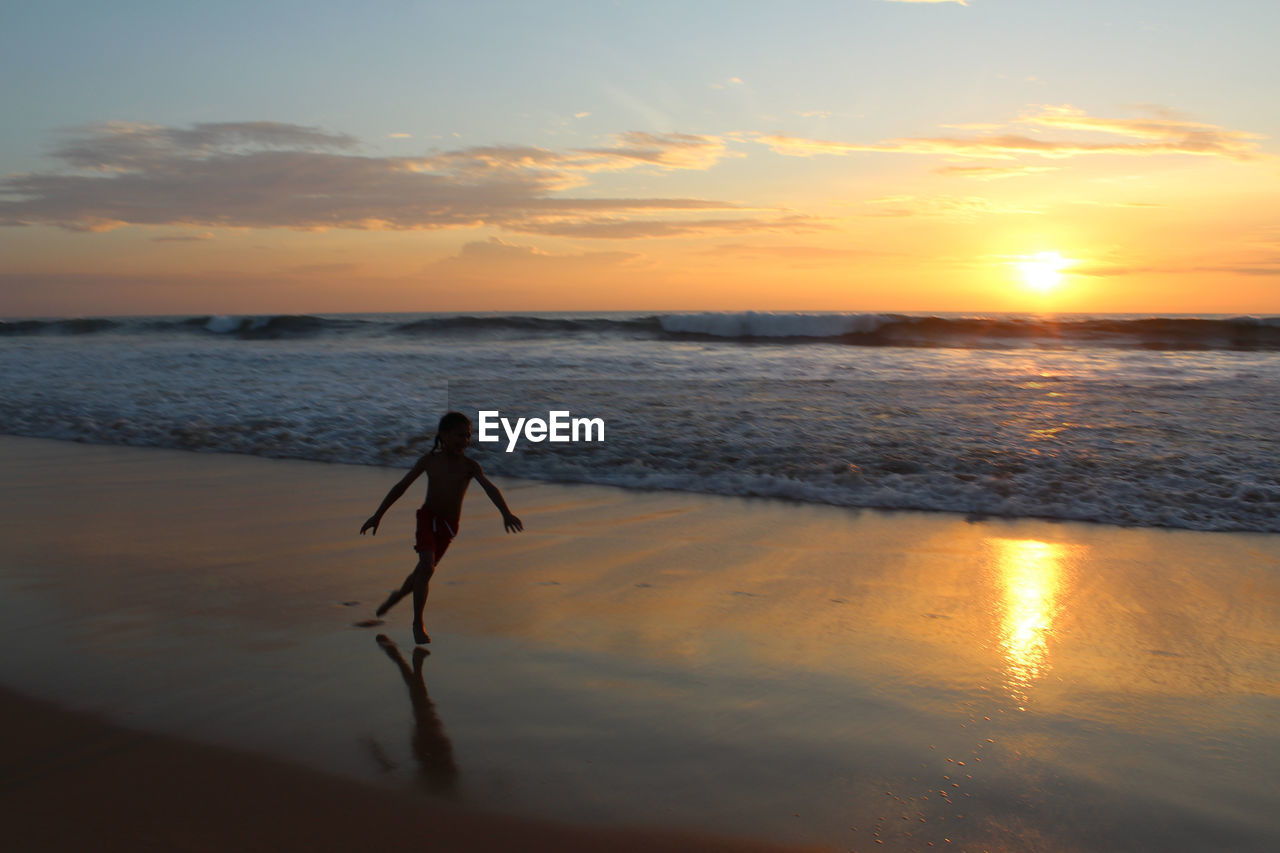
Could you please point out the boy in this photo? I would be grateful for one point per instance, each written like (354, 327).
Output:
(449, 472)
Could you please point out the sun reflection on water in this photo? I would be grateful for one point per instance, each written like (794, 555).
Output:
(1031, 576)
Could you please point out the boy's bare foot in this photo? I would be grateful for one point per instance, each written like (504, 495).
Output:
(419, 634)
(387, 605)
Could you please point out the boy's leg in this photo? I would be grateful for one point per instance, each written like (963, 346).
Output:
(394, 598)
(409, 586)
(421, 580)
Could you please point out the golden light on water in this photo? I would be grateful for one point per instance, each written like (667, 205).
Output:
(1031, 576)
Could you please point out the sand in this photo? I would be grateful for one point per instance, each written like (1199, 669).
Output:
(72, 782)
(696, 666)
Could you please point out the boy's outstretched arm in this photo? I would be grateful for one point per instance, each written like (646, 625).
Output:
(509, 519)
(394, 495)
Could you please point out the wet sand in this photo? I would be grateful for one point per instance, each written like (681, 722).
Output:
(72, 782)
(734, 668)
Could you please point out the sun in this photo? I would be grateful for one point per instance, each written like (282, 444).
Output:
(1042, 272)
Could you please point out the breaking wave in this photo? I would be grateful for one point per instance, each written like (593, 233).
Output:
(996, 331)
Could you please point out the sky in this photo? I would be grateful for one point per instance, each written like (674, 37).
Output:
(859, 155)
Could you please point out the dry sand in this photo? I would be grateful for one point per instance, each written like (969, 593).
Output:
(693, 664)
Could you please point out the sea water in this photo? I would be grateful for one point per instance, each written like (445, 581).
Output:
(1147, 421)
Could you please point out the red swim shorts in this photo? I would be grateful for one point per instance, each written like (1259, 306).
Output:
(434, 533)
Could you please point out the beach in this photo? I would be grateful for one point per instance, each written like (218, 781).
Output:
(869, 413)
(635, 665)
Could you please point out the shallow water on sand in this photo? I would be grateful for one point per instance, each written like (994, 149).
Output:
(742, 666)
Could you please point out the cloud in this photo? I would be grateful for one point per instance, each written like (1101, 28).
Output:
(992, 173)
(1264, 267)
(1094, 203)
(269, 175)
(331, 269)
(963, 207)
(123, 146)
(1109, 270)
(1164, 133)
(958, 2)
(183, 238)
(629, 229)
(973, 125)
(495, 251)
(667, 150)
(1144, 136)
(571, 168)
(1272, 270)
(790, 252)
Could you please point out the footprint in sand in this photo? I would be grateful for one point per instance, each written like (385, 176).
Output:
(369, 623)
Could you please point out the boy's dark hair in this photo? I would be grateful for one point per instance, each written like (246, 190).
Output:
(451, 420)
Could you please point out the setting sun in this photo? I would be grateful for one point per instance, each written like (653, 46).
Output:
(1042, 272)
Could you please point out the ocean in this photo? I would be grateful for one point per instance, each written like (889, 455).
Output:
(1154, 421)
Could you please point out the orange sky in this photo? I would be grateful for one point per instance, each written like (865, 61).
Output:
(974, 177)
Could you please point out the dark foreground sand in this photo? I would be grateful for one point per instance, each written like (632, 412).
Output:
(698, 667)
(72, 782)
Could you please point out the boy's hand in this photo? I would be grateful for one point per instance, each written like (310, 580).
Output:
(371, 523)
(512, 524)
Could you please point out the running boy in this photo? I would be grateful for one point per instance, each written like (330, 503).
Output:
(449, 472)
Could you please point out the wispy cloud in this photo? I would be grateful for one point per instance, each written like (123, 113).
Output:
(183, 238)
(785, 252)
(1142, 136)
(269, 175)
(498, 252)
(962, 207)
(329, 269)
(667, 150)
(1245, 268)
(992, 173)
(1089, 202)
(1256, 257)
(617, 228)
(732, 81)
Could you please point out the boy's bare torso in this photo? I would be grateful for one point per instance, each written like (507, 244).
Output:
(448, 476)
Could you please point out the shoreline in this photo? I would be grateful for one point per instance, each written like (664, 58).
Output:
(726, 667)
(970, 517)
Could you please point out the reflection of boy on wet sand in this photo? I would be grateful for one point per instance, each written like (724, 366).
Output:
(449, 471)
(431, 746)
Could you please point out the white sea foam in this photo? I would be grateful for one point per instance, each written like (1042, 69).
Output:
(1183, 439)
(222, 324)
